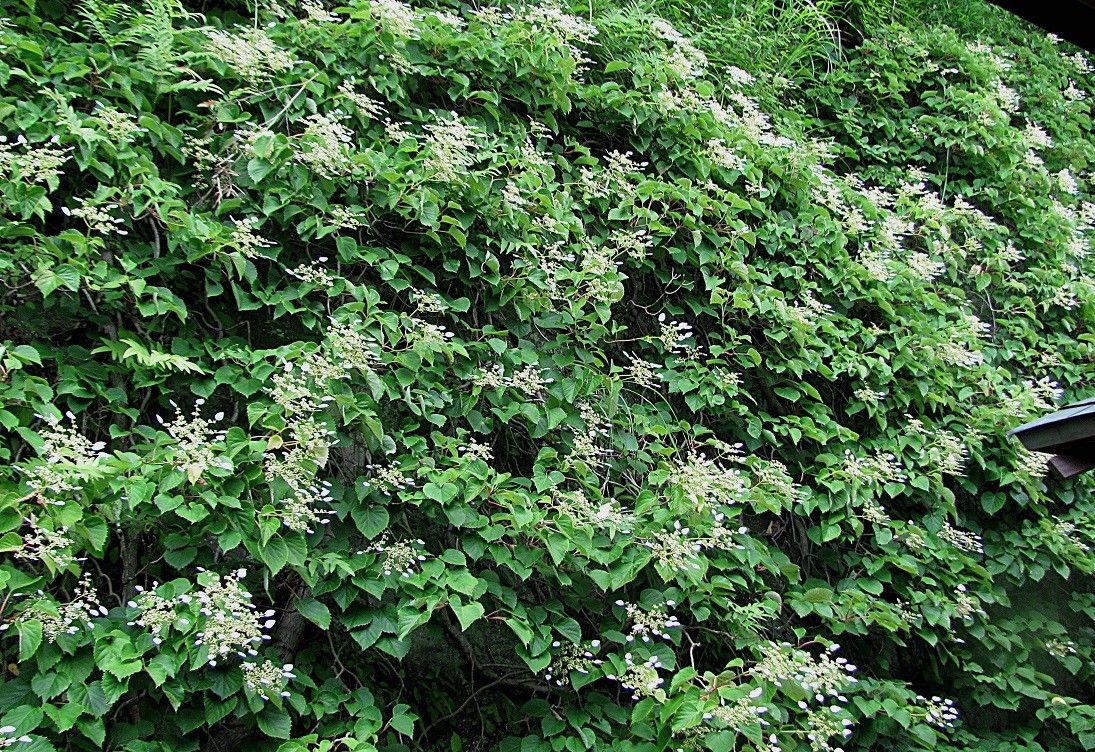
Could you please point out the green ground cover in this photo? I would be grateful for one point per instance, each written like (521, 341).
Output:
(459, 377)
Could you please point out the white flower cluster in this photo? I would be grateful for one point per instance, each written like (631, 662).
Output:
(232, 624)
(389, 478)
(1070, 534)
(67, 618)
(325, 146)
(877, 468)
(643, 678)
(599, 271)
(425, 336)
(874, 513)
(367, 107)
(472, 451)
(615, 179)
(249, 52)
(824, 678)
(345, 218)
(451, 148)
(705, 483)
(267, 678)
(314, 274)
(68, 459)
(674, 550)
(97, 217)
(244, 240)
(635, 243)
(686, 61)
(120, 125)
(823, 724)
(741, 713)
(49, 546)
(156, 613)
(1034, 464)
(962, 539)
(7, 737)
(941, 713)
(965, 605)
(877, 263)
(1031, 397)
(605, 515)
(194, 451)
(587, 447)
(644, 373)
(868, 396)
(1066, 182)
(40, 164)
(571, 30)
(1061, 648)
(396, 18)
(399, 556)
(315, 12)
(646, 623)
(571, 657)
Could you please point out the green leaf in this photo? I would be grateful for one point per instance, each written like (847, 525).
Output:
(30, 638)
(466, 614)
(314, 611)
(275, 722)
(403, 720)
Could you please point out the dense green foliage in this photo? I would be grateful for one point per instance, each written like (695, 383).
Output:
(380, 377)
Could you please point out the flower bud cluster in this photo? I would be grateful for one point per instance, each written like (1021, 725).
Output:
(451, 148)
(389, 479)
(325, 146)
(570, 657)
(962, 539)
(642, 679)
(43, 545)
(604, 515)
(195, 440)
(249, 52)
(69, 458)
(267, 679)
(941, 713)
(645, 624)
(741, 713)
(33, 165)
(644, 373)
(67, 618)
(232, 625)
(823, 677)
(156, 613)
(586, 447)
(399, 556)
(707, 484)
